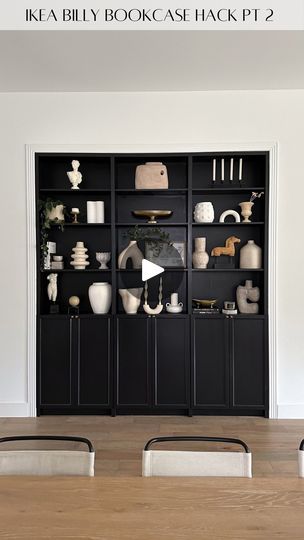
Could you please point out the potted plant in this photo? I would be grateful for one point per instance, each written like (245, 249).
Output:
(51, 212)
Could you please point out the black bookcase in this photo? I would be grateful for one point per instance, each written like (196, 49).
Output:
(140, 364)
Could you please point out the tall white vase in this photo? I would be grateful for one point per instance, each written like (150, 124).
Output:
(100, 296)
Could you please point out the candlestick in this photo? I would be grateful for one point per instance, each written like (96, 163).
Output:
(75, 212)
(223, 170)
(231, 170)
(214, 170)
(240, 169)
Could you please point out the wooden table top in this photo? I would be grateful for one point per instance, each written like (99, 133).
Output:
(129, 508)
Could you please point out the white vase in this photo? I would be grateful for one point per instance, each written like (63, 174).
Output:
(79, 257)
(204, 212)
(200, 256)
(100, 296)
(251, 255)
(131, 299)
(132, 252)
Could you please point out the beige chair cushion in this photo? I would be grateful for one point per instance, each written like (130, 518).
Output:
(183, 463)
(47, 462)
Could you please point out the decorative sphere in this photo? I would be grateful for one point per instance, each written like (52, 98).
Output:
(74, 301)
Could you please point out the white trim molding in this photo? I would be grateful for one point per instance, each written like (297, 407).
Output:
(291, 411)
(8, 410)
(271, 147)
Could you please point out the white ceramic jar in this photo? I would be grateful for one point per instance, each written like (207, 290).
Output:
(204, 212)
(251, 255)
(100, 296)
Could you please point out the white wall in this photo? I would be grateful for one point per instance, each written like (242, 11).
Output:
(159, 118)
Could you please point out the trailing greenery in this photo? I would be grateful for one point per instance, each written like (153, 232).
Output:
(45, 207)
(148, 233)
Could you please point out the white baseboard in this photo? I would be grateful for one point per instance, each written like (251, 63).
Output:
(14, 409)
(291, 410)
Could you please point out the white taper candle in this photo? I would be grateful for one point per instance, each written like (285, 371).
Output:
(223, 170)
(214, 170)
(241, 169)
(231, 169)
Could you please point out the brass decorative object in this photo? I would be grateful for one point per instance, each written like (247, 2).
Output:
(204, 303)
(152, 214)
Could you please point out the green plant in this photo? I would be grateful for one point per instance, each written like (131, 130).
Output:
(148, 233)
(45, 207)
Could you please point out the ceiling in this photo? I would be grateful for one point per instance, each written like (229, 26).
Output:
(95, 61)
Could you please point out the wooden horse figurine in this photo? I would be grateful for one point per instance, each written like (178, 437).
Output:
(229, 248)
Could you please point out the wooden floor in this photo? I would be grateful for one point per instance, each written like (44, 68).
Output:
(119, 504)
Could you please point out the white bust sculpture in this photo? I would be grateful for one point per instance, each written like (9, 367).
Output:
(75, 176)
(52, 287)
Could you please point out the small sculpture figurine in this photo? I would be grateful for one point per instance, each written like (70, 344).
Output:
(52, 287)
(229, 248)
(75, 176)
(248, 292)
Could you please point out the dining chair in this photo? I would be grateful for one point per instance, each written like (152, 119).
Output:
(47, 462)
(196, 463)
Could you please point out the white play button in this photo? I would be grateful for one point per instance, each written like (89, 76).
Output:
(150, 270)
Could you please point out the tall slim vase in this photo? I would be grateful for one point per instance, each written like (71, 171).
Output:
(200, 256)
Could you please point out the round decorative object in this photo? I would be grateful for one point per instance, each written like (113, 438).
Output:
(204, 212)
(132, 252)
(251, 255)
(232, 213)
(246, 207)
(131, 299)
(100, 296)
(200, 256)
(74, 301)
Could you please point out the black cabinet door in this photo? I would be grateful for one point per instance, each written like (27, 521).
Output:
(210, 362)
(94, 350)
(56, 361)
(248, 362)
(171, 360)
(132, 361)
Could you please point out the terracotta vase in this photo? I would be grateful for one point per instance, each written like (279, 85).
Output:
(246, 207)
(251, 255)
(200, 256)
(100, 296)
(132, 252)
